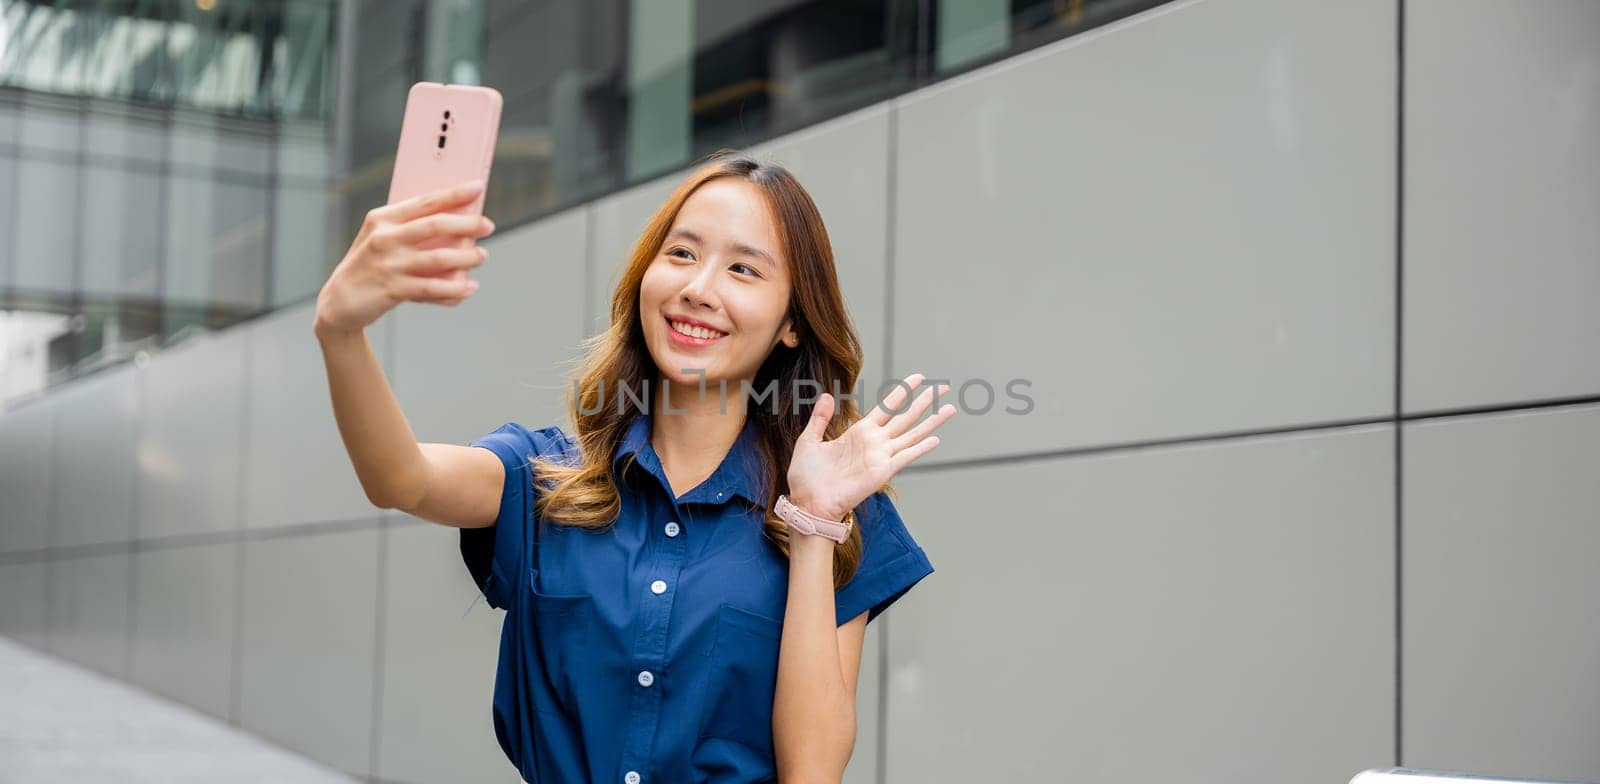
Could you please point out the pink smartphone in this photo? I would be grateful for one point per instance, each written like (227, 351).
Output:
(446, 138)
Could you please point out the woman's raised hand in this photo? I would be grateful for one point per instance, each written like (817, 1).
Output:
(829, 478)
(391, 262)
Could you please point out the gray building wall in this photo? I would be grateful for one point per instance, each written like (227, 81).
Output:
(1307, 487)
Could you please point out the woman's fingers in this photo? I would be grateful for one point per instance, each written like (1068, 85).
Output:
(898, 424)
(910, 454)
(880, 413)
(923, 429)
(421, 289)
(440, 224)
(441, 260)
(427, 203)
(448, 302)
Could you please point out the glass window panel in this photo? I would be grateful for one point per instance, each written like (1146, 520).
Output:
(121, 256)
(764, 68)
(8, 207)
(124, 131)
(660, 86)
(47, 214)
(271, 170)
(216, 242)
(556, 64)
(302, 255)
(970, 30)
(49, 122)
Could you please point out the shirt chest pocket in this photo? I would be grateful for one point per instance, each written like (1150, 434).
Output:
(561, 626)
(744, 676)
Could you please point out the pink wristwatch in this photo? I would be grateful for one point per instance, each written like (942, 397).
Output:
(801, 521)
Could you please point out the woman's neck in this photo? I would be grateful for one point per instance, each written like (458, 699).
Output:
(691, 433)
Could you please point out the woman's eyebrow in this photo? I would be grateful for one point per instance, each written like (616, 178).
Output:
(686, 234)
(738, 247)
(759, 254)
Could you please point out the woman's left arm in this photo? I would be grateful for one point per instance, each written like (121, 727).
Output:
(819, 664)
(814, 707)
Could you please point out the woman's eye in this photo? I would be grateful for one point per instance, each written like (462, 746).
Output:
(746, 266)
(684, 251)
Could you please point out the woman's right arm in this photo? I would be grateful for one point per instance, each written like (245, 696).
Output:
(444, 483)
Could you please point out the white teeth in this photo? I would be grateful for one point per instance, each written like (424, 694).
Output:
(693, 331)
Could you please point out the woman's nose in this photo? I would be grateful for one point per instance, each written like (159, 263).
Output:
(700, 288)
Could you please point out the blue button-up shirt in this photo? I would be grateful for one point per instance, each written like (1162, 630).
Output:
(648, 651)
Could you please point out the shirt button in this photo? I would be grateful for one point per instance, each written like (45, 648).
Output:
(645, 678)
(672, 528)
(632, 777)
(658, 587)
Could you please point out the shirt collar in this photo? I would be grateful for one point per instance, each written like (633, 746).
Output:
(740, 473)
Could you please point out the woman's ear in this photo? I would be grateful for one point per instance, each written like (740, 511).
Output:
(788, 335)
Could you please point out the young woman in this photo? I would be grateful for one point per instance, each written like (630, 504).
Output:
(688, 571)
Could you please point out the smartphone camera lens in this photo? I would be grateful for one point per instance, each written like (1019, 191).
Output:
(444, 126)
(447, 114)
(441, 141)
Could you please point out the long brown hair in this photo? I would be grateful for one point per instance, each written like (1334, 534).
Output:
(586, 495)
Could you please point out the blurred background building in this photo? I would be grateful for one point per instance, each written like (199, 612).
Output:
(1305, 293)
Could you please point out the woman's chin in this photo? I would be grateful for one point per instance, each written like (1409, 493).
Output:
(687, 386)
(687, 374)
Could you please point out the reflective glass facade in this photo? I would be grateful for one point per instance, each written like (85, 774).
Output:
(168, 166)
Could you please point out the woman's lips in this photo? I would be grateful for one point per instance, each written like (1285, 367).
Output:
(685, 340)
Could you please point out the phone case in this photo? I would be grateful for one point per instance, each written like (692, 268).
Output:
(447, 138)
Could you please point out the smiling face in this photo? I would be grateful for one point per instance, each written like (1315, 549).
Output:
(720, 276)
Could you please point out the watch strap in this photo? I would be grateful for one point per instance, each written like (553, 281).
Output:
(804, 522)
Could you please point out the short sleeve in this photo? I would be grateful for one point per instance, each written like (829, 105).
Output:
(891, 562)
(495, 556)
